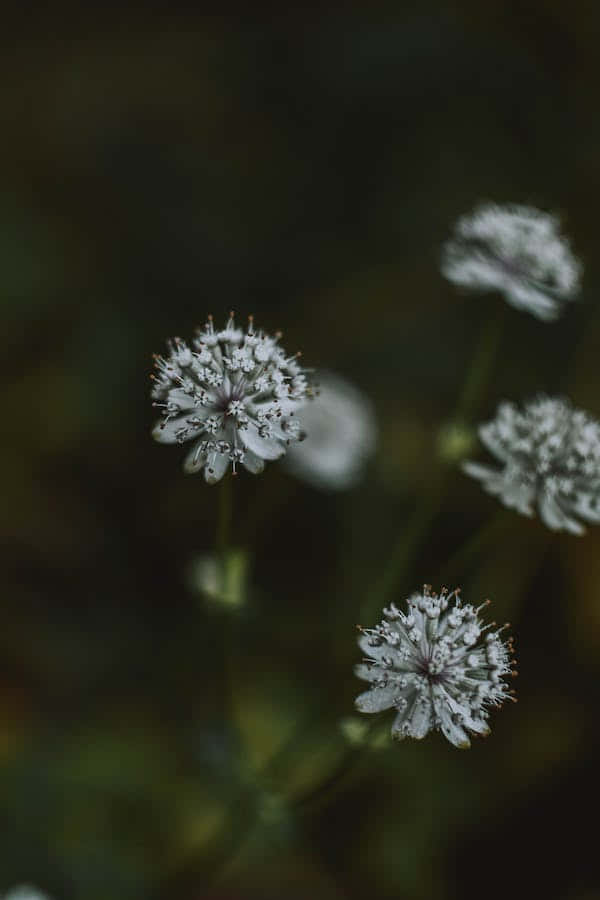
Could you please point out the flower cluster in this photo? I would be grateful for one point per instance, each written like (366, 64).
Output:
(433, 668)
(517, 250)
(341, 435)
(550, 457)
(234, 394)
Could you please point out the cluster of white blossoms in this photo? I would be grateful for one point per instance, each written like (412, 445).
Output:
(518, 251)
(341, 434)
(434, 668)
(233, 394)
(550, 457)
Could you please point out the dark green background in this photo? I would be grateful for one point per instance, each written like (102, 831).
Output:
(303, 166)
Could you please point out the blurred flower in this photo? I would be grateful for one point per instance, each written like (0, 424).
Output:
(358, 734)
(517, 250)
(25, 892)
(550, 456)
(233, 394)
(355, 730)
(341, 435)
(221, 581)
(432, 668)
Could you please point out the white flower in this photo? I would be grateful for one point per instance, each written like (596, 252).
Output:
(234, 394)
(518, 251)
(550, 457)
(25, 892)
(341, 435)
(434, 668)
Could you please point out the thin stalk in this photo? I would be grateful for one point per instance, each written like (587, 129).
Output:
(407, 545)
(480, 369)
(473, 546)
(224, 515)
(224, 625)
(405, 548)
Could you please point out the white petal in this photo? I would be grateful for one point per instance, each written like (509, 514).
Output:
(421, 718)
(398, 727)
(479, 726)
(265, 448)
(184, 401)
(377, 652)
(584, 506)
(515, 496)
(451, 730)
(253, 463)
(555, 518)
(489, 438)
(194, 461)
(167, 434)
(476, 470)
(524, 296)
(368, 672)
(215, 468)
(401, 725)
(377, 699)
(454, 733)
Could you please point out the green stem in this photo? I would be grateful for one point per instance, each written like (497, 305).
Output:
(407, 545)
(225, 628)
(331, 783)
(473, 546)
(405, 548)
(481, 367)
(224, 516)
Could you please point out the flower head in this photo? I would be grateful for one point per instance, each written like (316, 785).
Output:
(518, 251)
(434, 668)
(233, 394)
(550, 457)
(341, 435)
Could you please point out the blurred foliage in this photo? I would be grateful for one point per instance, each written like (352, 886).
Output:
(305, 167)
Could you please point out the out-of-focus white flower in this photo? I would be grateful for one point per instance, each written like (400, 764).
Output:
(341, 435)
(432, 666)
(518, 251)
(25, 892)
(234, 394)
(550, 458)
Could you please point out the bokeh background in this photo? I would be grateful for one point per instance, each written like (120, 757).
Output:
(304, 166)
